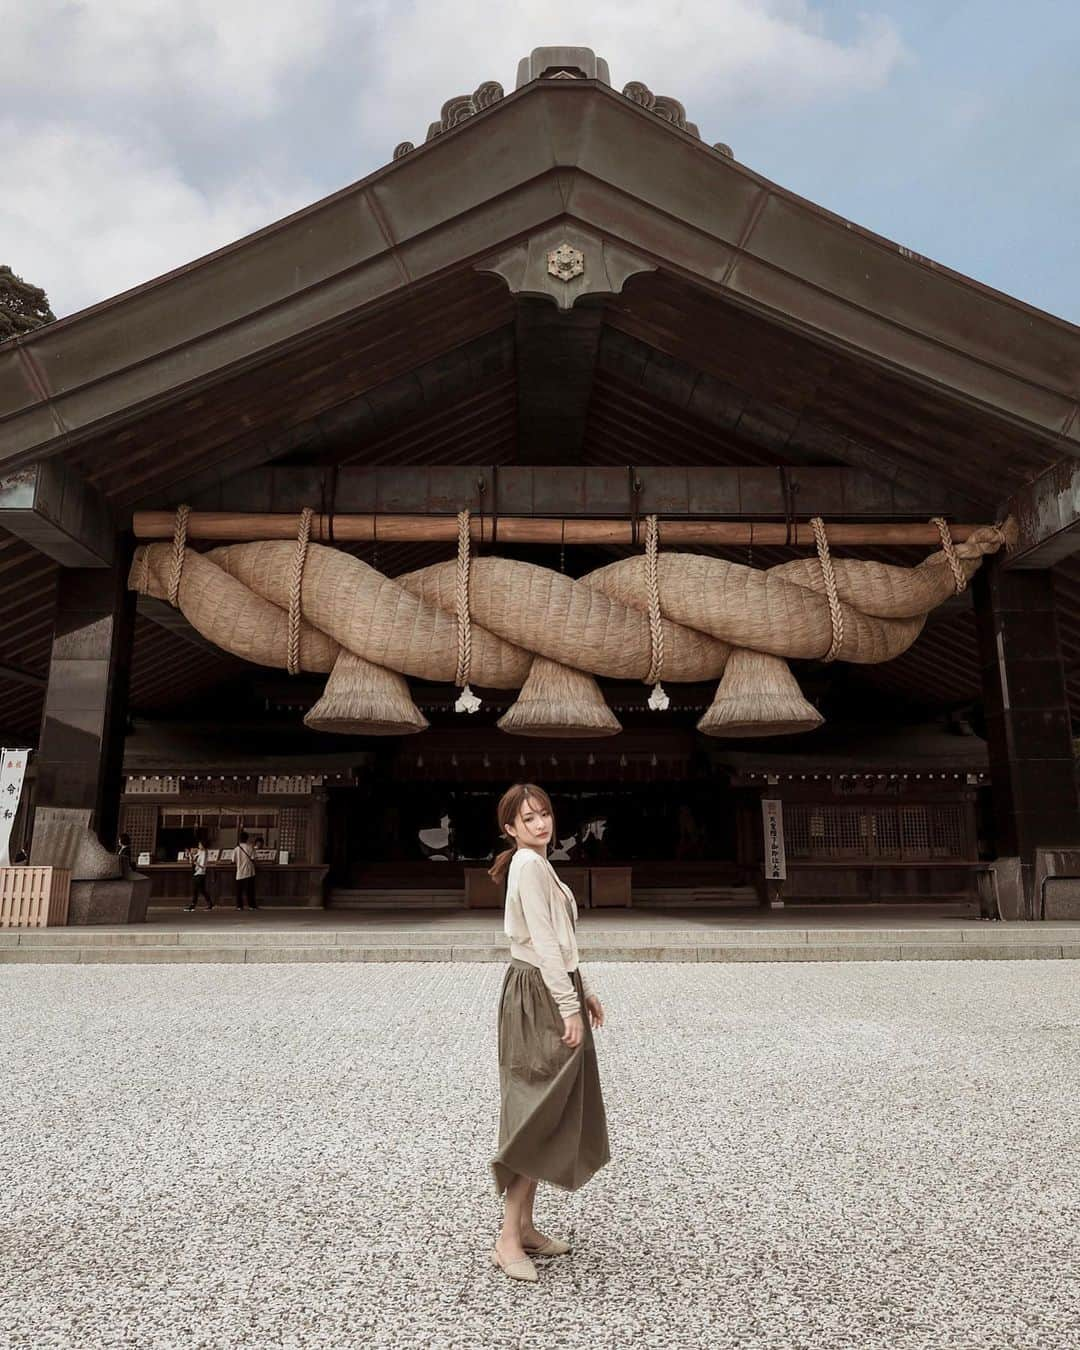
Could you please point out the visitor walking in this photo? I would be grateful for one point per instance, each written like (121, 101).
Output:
(552, 1125)
(245, 872)
(198, 858)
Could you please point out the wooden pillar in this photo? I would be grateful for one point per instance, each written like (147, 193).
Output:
(316, 848)
(80, 759)
(1032, 766)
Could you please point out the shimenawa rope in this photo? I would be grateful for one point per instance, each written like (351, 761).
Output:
(296, 586)
(949, 549)
(467, 701)
(179, 549)
(828, 577)
(658, 699)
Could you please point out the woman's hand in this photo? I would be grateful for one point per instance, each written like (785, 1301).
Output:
(573, 1031)
(596, 1010)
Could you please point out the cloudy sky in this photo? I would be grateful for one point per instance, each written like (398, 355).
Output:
(138, 134)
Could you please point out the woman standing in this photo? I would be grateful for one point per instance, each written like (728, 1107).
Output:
(552, 1125)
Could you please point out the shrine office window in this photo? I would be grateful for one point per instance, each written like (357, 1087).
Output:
(917, 833)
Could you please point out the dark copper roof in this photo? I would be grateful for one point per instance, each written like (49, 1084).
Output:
(376, 326)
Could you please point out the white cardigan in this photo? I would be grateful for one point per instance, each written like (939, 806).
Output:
(539, 924)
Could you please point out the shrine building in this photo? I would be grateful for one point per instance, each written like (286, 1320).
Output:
(566, 448)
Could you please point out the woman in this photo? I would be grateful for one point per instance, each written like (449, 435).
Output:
(552, 1125)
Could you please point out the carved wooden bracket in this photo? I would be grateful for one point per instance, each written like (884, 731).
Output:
(584, 264)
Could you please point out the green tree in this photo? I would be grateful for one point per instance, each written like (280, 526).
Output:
(22, 307)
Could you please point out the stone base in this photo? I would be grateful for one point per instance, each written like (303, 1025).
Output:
(1061, 898)
(115, 900)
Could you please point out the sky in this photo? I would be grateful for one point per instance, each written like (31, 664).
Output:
(136, 135)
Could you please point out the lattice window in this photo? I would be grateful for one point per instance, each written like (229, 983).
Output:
(948, 832)
(887, 832)
(905, 833)
(293, 831)
(915, 832)
(141, 823)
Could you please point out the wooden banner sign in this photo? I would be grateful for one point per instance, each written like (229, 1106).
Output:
(772, 820)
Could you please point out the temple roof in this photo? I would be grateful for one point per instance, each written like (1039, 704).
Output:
(562, 274)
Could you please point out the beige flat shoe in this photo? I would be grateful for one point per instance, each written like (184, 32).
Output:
(517, 1270)
(550, 1247)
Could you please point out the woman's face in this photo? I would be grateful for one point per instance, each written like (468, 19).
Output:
(533, 825)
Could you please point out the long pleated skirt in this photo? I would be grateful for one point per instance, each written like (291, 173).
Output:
(552, 1125)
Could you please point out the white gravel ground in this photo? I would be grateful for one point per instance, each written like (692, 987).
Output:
(850, 1155)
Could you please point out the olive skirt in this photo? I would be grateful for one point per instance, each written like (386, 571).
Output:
(552, 1125)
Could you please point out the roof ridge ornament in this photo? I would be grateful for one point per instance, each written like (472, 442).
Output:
(670, 109)
(557, 63)
(455, 111)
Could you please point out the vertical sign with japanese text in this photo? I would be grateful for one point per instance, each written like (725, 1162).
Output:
(12, 772)
(772, 821)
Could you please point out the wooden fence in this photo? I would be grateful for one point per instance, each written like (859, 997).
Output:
(34, 897)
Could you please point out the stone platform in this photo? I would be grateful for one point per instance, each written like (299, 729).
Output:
(835, 933)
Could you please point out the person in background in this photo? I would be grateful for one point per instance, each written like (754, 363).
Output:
(21, 858)
(198, 874)
(123, 850)
(245, 872)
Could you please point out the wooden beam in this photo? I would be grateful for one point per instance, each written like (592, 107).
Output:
(223, 526)
(1047, 514)
(16, 675)
(740, 493)
(49, 506)
(556, 358)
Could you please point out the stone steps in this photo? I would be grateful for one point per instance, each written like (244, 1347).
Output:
(981, 942)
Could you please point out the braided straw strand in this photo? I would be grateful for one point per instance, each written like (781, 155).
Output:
(296, 586)
(828, 577)
(658, 699)
(949, 549)
(179, 549)
(467, 701)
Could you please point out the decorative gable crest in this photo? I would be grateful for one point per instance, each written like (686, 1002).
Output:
(566, 262)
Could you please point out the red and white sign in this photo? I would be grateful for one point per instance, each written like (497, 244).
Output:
(12, 773)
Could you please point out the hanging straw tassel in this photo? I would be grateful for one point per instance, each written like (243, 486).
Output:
(467, 701)
(559, 701)
(363, 699)
(758, 696)
(658, 699)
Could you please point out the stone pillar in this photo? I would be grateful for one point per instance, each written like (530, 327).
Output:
(1029, 734)
(80, 757)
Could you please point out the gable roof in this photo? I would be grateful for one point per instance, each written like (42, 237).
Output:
(553, 154)
(410, 318)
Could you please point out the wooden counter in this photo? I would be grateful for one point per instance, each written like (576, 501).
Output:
(285, 884)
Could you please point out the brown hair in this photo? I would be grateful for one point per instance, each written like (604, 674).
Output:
(510, 804)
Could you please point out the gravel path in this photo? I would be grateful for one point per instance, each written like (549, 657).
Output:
(850, 1155)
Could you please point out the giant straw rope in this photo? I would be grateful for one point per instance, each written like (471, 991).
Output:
(504, 624)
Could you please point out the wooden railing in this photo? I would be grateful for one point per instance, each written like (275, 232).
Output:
(34, 897)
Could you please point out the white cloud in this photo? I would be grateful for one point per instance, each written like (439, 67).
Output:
(95, 214)
(709, 53)
(222, 51)
(144, 133)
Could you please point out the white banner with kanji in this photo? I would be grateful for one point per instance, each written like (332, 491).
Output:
(772, 820)
(12, 773)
